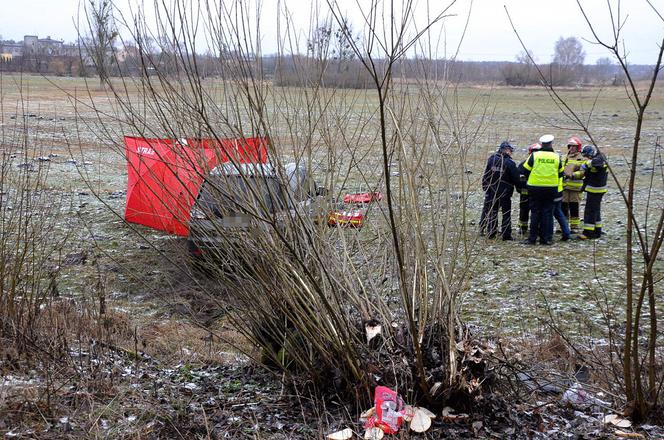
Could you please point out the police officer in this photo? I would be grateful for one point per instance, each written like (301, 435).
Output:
(499, 179)
(544, 168)
(524, 201)
(595, 175)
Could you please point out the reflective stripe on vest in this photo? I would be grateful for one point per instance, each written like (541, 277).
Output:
(573, 184)
(575, 161)
(597, 189)
(546, 169)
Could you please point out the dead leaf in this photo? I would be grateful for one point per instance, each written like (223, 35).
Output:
(421, 422)
(434, 389)
(344, 434)
(374, 433)
(449, 417)
(624, 434)
(425, 411)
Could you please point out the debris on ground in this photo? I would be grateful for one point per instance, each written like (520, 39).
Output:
(344, 434)
(577, 396)
(367, 197)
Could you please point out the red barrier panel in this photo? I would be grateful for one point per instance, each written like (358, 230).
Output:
(165, 175)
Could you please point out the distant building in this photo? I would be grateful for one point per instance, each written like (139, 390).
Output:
(33, 45)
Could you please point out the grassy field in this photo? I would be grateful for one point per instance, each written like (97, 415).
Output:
(510, 283)
(514, 290)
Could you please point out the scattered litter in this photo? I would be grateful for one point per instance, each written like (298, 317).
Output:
(615, 420)
(373, 329)
(367, 197)
(374, 433)
(421, 421)
(425, 411)
(577, 396)
(71, 161)
(350, 219)
(344, 434)
(389, 411)
(43, 159)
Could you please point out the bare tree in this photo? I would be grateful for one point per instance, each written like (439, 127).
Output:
(522, 72)
(642, 379)
(567, 61)
(102, 33)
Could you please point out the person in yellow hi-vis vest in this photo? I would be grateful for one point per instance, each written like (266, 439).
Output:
(544, 169)
(573, 190)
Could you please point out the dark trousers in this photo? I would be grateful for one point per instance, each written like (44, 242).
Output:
(541, 213)
(493, 202)
(524, 212)
(592, 215)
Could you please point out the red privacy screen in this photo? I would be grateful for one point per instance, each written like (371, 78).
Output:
(165, 175)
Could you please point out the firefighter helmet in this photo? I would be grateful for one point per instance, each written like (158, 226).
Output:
(506, 145)
(588, 151)
(534, 147)
(574, 142)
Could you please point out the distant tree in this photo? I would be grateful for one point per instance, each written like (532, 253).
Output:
(606, 70)
(568, 59)
(102, 33)
(521, 72)
(569, 52)
(333, 42)
(330, 47)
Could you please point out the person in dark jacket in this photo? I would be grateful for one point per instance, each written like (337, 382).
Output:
(595, 175)
(498, 181)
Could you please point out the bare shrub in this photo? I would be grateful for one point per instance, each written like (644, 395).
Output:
(33, 232)
(635, 359)
(302, 292)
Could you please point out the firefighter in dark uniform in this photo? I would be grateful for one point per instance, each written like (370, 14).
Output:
(595, 175)
(544, 168)
(499, 179)
(524, 202)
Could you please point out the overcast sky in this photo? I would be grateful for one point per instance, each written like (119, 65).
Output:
(489, 35)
